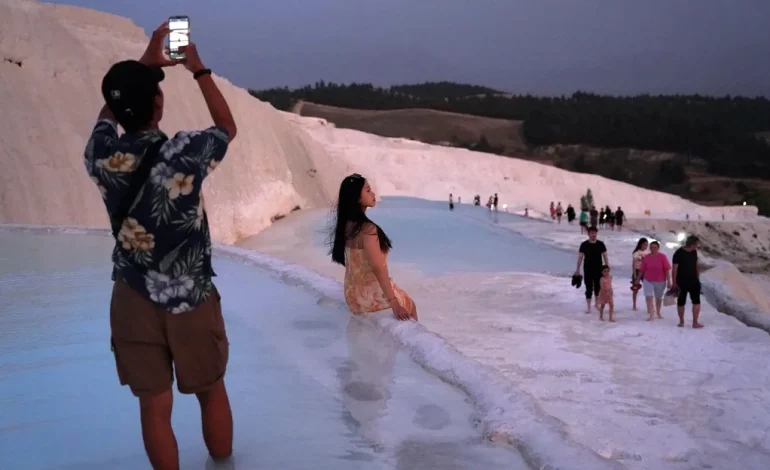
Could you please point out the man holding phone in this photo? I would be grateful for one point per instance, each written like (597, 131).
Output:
(165, 313)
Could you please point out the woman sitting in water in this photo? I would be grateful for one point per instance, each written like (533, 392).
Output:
(362, 247)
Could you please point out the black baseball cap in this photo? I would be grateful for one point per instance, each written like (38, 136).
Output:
(129, 89)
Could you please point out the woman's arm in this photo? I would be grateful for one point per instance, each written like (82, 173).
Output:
(377, 259)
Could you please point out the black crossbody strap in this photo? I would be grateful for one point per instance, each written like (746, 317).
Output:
(137, 181)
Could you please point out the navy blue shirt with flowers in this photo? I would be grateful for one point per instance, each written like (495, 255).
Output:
(163, 249)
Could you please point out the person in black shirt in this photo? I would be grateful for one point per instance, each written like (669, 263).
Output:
(570, 214)
(591, 254)
(594, 217)
(687, 279)
(620, 216)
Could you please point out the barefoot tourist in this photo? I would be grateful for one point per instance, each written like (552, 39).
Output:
(656, 272)
(636, 262)
(362, 247)
(165, 314)
(591, 254)
(606, 295)
(687, 279)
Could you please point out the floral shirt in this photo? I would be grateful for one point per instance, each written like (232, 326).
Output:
(163, 249)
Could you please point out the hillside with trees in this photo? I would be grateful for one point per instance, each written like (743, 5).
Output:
(700, 136)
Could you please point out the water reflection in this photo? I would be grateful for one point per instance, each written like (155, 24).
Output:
(366, 379)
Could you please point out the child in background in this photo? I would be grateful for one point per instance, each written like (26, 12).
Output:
(606, 294)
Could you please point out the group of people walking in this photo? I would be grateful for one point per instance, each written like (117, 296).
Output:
(603, 218)
(651, 272)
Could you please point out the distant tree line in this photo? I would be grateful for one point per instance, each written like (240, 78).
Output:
(720, 130)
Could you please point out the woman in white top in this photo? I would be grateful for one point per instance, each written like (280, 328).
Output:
(641, 250)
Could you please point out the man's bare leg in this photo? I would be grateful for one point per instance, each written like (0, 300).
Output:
(217, 421)
(680, 311)
(159, 439)
(695, 315)
(588, 305)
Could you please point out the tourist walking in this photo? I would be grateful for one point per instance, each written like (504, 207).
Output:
(594, 217)
(591, 254)
(655, 271)
(620, 217)
(606, 294)
(639, 253)
(583, 221)
(687, 279)
(570, 214)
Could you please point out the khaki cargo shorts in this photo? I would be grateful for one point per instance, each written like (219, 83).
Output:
(149, 343)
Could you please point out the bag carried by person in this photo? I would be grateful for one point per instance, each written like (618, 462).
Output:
(670, 298)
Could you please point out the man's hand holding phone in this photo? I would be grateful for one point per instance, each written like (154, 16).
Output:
(153, 56)
(192, 60)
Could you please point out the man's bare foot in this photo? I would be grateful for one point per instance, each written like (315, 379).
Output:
(588, 312)
(650, 318)
(681, 325)
(601, 317)
(697, 325)
(612, 320)
(660, 316)
(635, 309)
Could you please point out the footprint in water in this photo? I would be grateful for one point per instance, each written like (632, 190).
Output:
(432, 417)
(363, 391)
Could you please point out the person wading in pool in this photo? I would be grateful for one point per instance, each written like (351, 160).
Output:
(165, 314)
(362, 247)
(591, 254)
(687, 279)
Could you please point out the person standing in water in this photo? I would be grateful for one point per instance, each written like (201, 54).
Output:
(451, 202)
(559, 212)
(687, 279)
(362, 247)
(591, 254)
(165, 313)
(494, 201)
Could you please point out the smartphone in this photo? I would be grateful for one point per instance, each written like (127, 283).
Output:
(178, 36)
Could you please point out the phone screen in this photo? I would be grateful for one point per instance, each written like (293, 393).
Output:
(179, 35)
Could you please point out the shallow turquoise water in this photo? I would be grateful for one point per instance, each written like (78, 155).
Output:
(309, 387)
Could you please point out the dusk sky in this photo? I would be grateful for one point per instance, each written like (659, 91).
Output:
(519, 46)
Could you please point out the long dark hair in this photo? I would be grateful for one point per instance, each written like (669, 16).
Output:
(349, 210)
(639, 244)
